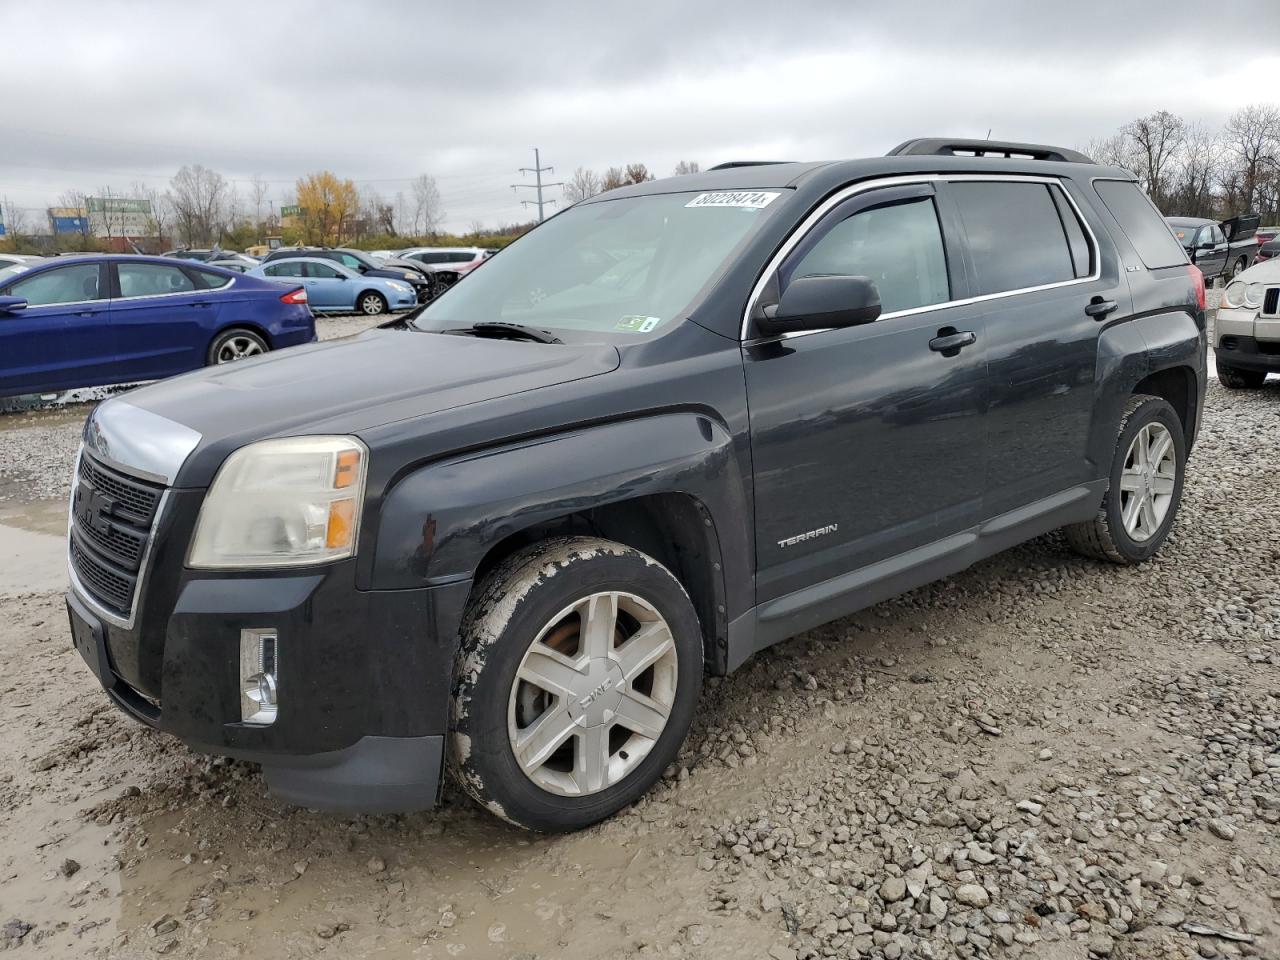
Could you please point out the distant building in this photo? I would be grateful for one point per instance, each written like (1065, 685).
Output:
(111, 217)
(64, 220)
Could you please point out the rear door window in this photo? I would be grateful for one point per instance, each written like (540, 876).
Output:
(1015, 235)
(287, 268)
(1151, 237)
(215, 281)
(152, 280)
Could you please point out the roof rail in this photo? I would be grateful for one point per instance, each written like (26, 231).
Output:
(941, 147)
(731, 164)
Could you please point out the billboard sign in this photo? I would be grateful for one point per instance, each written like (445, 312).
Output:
(119, 217)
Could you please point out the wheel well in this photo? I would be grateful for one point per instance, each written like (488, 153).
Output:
(368, 290)
(673, 528)
(1177, 385)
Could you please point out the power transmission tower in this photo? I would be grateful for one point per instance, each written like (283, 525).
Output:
(537, 170)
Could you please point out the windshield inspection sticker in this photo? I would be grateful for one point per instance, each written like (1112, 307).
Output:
(743, 199)
(637, 324)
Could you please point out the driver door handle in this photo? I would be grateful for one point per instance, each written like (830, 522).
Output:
(950, 341)
(1099, 307)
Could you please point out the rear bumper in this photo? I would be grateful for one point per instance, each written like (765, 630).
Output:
(364, 678)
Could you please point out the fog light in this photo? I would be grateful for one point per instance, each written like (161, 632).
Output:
(259, 693)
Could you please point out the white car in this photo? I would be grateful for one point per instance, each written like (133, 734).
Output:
(458, 261)
(10, 259)
(1247, 331)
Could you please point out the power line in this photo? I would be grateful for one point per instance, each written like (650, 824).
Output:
(537, 170)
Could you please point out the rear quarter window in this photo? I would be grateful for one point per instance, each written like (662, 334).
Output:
(1151, 237)
(1015, 235)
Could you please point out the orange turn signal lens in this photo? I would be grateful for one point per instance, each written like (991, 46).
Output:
(347, 470)
(341, 526)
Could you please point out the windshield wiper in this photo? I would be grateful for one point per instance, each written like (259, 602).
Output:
(513, 331)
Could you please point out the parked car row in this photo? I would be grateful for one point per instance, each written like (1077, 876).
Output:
(70, 322)
(334, 288)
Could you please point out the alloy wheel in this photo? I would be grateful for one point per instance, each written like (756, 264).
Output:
(592, 694)
(237, 348)
(1147, 481)
(371, 305)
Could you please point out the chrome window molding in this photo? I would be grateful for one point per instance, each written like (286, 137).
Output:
(177, 293)
(144, 564)
(840, 196)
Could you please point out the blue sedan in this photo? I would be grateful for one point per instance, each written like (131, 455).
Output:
(93, 320)
(334, 288)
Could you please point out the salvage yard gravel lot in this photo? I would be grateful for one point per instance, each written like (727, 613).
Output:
(1042, 756)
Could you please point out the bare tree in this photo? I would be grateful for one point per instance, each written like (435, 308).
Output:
(159, 219)
(258, 190)
(685, 167)
(428, 212)
(1156, 140)
(1196, 166)
(75, 200)
(1253, 137)
(637, 173)
(613, 178)
(584, 183)
(1114, 151)
(200, 203)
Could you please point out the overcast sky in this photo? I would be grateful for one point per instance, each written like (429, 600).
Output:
(105, 94)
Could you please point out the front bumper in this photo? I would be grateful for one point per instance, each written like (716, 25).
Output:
(364, 678)
(1248, 353)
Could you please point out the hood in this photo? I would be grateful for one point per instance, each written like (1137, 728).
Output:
(1268, 271)
(344, 386)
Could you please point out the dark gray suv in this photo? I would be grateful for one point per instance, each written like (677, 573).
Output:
(673, 425)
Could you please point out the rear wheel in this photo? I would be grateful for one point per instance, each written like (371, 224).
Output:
(580, 668)
(1238, 267)
(1145, 486)
(235, 344)
(371, 303)
(1237, 378)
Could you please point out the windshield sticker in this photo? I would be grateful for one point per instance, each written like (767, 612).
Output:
(638, 324)
(743, 199)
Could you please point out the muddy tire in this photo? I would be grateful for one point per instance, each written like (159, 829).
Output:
(1237, 378)
(578, 674)
(1144, 489)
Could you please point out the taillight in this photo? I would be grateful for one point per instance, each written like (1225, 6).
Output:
(1198, 278)
(300, 295)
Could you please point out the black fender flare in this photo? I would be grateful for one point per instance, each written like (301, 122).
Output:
(437, 523)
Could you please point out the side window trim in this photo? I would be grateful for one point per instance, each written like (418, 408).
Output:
(767, 277)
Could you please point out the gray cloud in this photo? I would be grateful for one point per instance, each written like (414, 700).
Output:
(118, 92)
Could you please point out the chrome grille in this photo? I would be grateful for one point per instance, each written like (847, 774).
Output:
(112, 515)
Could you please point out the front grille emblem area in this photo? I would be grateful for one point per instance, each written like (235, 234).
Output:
(112, 516)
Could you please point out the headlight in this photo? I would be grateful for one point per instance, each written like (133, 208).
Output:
(398, 287)
(282, 503)
(1239, 294)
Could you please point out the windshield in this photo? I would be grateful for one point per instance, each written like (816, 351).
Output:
(624, 267)
(8, 273)
(1186, 234)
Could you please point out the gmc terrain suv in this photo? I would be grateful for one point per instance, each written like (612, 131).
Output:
(675, 424)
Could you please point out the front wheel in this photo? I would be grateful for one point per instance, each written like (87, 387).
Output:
(235, 344)
(1145, 486)
(1237, 378)
(371, 303)
(580, 668)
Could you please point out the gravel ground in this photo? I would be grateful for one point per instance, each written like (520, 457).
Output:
(1040, 757)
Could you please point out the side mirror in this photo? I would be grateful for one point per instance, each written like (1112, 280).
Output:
(819, 303)
(12, 304)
